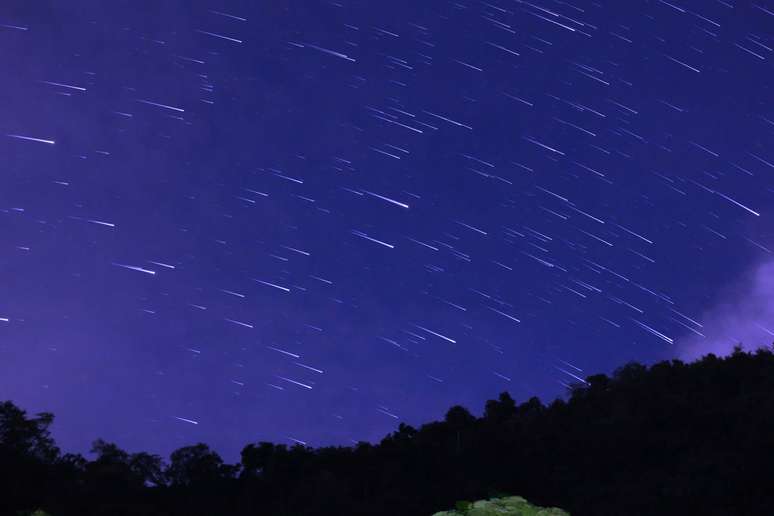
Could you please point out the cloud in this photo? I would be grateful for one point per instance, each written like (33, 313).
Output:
(744, 315)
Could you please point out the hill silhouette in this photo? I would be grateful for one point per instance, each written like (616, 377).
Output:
(672, 438)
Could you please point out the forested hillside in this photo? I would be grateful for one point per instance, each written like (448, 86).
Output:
(673, 438)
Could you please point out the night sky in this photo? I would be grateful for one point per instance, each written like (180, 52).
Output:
(307, 222)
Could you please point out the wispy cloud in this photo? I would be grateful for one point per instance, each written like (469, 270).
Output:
(744, 314)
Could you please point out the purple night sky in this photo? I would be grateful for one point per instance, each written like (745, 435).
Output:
(238, 221)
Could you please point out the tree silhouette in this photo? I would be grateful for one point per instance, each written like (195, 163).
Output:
(196, 465)
(500, 410)
(672, 438)
(458, 419)
(26, 437)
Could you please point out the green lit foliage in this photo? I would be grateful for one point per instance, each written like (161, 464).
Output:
(506, 506)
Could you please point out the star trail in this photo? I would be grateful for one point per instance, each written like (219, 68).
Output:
(304, 222)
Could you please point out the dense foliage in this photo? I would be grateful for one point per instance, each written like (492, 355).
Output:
(674, 438)
(505, 506)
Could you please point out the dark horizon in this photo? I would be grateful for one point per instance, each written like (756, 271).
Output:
(673, 438)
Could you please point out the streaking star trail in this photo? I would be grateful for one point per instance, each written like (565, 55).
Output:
(324, 219)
